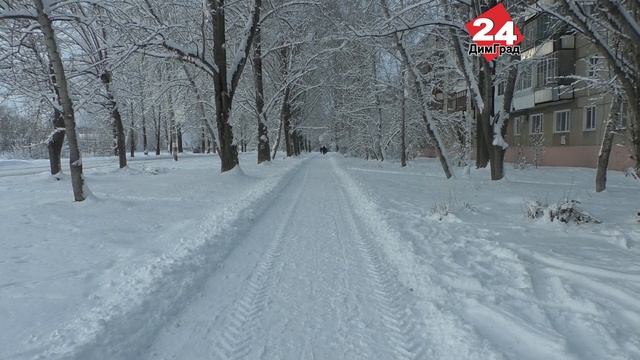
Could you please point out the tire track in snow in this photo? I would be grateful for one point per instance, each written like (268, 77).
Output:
(405, 341)
(446, 335)
(242, 322)
(160, 288)
(397, 317)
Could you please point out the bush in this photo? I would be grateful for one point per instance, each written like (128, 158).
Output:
(446, 209)
(566, 211)
(631, 172)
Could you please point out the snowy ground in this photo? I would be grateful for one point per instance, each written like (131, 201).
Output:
(531, 290)
(80, 276)
(314, 258)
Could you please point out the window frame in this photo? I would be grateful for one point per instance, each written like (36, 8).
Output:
(547, 71)
(531, 120)
(594, 114)
(593, 66)
(525, 77)
(555, 121)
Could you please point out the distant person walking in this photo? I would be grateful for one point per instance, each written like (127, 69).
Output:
(324, 150)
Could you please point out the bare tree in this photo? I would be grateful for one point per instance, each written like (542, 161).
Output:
(68, 113)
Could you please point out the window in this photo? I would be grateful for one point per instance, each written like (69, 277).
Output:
(517, 123)
(524, 77)
(529, 35)
(562, 119)
(451, 102)
(593, 67)
(537, 30)
(547, 71)
(536, 123)
(544, 27)
(589, 118)
(501, 88)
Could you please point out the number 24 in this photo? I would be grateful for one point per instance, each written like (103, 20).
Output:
(505, 34)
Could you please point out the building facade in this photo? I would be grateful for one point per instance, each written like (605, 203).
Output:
(562, 103)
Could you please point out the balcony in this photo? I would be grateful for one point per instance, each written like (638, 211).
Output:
(564, 44)
(555, 93)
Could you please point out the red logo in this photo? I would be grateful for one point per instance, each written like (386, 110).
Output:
(494, 34)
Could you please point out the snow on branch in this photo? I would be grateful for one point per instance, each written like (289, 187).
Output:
(182, 54)
(240, 59)
(273, 11)
(18, 15)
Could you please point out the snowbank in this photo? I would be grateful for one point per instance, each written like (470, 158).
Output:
(527, 289)
(93, 280)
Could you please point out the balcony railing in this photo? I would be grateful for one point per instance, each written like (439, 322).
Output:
(555, 93)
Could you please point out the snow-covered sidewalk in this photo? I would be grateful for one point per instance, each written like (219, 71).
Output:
(307, 282)
(74, 277)
(323, 257)
(533, 290)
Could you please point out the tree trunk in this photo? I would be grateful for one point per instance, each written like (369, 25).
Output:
(336, 136)
(224, 87)
(499, 145)
(483, 133)
(380, 155)
(120, 138)
(60, 83)
(173, 130)
(263, 133)
(203, 139)
(607, 145)
(285, 115)
(295, 143)
(116, 118)
(157, 124)
(55, 143)
(179, 138)
(228, 150)
(144, 132)
(167, 136)
(114, 139)
(158, 140)
(277, 144)
(403, 125)
(132, 139)
(379, 134)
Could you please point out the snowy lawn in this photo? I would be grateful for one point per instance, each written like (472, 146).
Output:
(73, 274)
(302, 257)
(530, 289)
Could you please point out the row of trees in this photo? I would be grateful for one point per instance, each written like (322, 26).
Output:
(159, 63)
(367, 76)
(428, 45)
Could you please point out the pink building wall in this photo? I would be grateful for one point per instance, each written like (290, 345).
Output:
(575, 156)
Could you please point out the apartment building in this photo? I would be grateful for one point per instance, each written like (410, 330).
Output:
(561, 103)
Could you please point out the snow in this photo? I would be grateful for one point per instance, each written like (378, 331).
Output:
(532, 290)
(94, 277)
(319, 257)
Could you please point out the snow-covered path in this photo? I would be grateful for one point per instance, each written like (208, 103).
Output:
(317, 257)
(306, 283)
